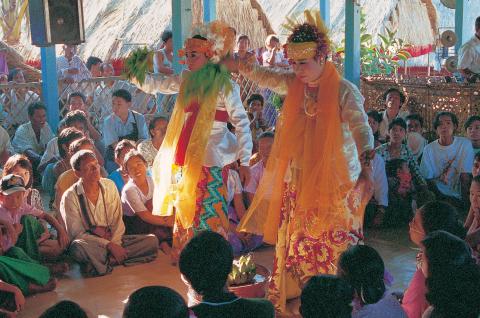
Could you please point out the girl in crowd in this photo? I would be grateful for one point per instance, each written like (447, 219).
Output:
(137, 197)
(433, 216)
(119, 176)
(149, 148)
(472, 224)
(363, 268)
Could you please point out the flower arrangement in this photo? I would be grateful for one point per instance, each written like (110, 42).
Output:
(243, 271)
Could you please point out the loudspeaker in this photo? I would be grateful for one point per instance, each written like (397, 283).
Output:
(56, 22)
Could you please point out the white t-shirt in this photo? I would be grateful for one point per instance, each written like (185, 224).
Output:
(469, 55)
(234, 185)
(279, 58)
(444, 164)
(133, 199)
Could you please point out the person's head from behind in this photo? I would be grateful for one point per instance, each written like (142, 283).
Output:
(363, 268)
(135, 165)
(167, 39)
(445, 124)
(243, 43)
(205, 262)
(472, 128)
(93, 65)
(435, 216)
(121, 102)
(12, 192)
(397, 130)
(121, 150)
(19, 165)
(77, 101)
(394, 99)
(396, 168)
(374, 120)
(255, 104)
(85, 165)
(16, 76)
(65, 138)
(65, 308)
(452, 276)
(76, 119)
(157, 128)
(328, 296)
(476, 165)
(83, 143)
(414, 123)
(265, 143)
(37, 113)
(155, 301)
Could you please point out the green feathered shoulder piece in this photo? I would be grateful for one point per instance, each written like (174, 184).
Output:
(210, 79)
(138, 64)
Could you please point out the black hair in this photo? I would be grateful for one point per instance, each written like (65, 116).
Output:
(394, 90)
(34, 107)
(123, 93)
(363, 268)
(375, 115)
(122, 145)
(255, 97)
(66, 137)
(199, 37)
(266, 134)
(92, 60)
(78, 157)
(470, 121)
(436, 120)
(76, 94)
(416, 117)
(326, 294)
(155, 301)
(477, 156)
(398, 122)
(153, 122)
(243, 37)
(166, 35)
(64, 308)
(453, 277)
(477, 23)
(392, 166)
(439, 215)
(75, 116)
(13, 72)
(206, 262)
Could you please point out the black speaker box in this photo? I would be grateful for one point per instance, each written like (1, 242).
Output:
(56, 22)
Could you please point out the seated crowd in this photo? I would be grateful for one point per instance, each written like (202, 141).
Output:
(96, 173)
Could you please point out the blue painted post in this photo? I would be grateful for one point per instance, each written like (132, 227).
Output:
(209, 10)
(461, 28)
(181, 24)
(352, 42)
(325, 12)
(50, 85)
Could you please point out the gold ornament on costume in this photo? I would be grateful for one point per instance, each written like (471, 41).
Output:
(301, 50)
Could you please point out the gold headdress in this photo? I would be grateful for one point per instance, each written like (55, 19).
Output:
(300, 44)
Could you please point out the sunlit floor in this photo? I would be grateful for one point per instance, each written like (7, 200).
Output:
(105, 296)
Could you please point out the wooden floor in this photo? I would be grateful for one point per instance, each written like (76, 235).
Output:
(105, 296)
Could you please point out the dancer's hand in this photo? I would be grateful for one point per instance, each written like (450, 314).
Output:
(244, 173)
(230, 63)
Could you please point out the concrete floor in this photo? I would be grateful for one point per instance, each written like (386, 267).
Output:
(105, 296)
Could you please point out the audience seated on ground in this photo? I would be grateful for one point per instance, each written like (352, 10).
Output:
(415, 140)
(149, 148)
(137, 204)
(93, 213)
(363, 268)
(265, 142)
(472, 128)
(432, 216)
(64, 308)
(33, 237)
(124, 123)
(156, 301)
(326, 296)
(472, 224)
(452, 277)
(394, 100)
(205, 263)
(255, 113)
(120, 176)
(447, 162)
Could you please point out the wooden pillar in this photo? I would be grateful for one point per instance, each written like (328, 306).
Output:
(209, 10)
(352, 42)
(50, 85)
(181, 25)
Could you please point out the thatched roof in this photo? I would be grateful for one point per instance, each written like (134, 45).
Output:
(15, 60)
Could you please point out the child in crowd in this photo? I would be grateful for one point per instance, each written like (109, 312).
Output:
(328, 296)
(452, 277)
(400, 192)
(374, 120)
(149, 148)
(137, 197)
(156, 301)
(432, 216)
(64, 308)
(363, 268)
(33, 238)
(120, 176)
(265, 143)
(472, 128)
(415, 140)
(472, 224)
(205, 263)
(78, 102)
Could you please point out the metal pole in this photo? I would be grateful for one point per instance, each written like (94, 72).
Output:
(352, 42)
(50, 85)
(325, 12)
(181, 24)
(461, 28)
(209, 10)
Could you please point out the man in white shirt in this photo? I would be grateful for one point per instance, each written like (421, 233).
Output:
(70, 68)
(469, 55)
(92, 212)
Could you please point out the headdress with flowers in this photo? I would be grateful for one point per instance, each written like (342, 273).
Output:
(309, 36)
